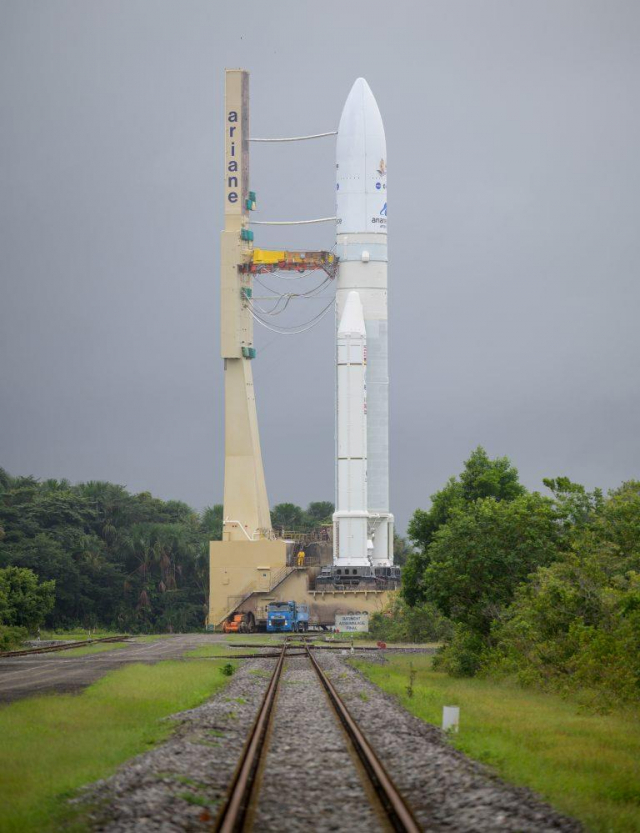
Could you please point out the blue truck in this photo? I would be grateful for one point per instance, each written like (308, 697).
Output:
(285, 617)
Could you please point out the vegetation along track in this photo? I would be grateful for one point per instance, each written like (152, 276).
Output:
(64, 647)
(243, 792)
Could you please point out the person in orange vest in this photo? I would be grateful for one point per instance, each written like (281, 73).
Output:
(301, 558)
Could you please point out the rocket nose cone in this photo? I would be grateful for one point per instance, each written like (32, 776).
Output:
(361, 100)
(361, 165)
(360, 84)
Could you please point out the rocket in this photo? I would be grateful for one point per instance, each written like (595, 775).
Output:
(351, 519)
(361, 245)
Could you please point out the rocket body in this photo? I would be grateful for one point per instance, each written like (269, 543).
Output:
(361, 245)
(351, 519)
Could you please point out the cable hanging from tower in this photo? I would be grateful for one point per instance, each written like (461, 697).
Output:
(300, 328)
(286, 297)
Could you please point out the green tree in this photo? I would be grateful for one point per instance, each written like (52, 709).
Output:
(483, 477)
(576, 506)
(24, 602)
(211, 522)
(320, 512)
(287, 516)
(119, 560)
(484, 552)
(576, 623)
(402, 549)
(480, 478)
(401, 623)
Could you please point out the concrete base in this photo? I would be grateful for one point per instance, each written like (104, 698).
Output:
(323, 604)
(238, 568)
(245, 576)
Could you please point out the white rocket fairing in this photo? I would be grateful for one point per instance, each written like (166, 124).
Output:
(361, 245)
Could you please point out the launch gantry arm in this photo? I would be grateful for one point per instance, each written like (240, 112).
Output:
(267, 260)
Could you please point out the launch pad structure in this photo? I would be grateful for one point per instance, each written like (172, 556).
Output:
(251, 566)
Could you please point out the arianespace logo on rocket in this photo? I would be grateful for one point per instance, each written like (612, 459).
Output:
(381, 219)
(381, 170)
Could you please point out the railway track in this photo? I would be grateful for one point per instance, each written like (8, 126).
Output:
(67, 645)
(243, 794)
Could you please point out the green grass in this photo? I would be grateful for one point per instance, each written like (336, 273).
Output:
(52, 745)
(586, 765)
(263, 639)
(78, 634)
(215, 649)
(98, 648)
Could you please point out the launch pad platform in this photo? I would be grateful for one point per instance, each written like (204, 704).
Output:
(246, 576)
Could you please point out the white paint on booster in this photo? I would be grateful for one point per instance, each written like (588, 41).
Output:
(361, 245)
(350, 520)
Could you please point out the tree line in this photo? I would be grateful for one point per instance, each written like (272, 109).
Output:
(95, 555)
(129, 562)
(541, 588)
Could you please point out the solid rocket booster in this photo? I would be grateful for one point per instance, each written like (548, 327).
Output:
(351, 518)
(361, 245)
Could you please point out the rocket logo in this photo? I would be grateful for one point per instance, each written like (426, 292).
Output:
(383, 212)
(382, 168)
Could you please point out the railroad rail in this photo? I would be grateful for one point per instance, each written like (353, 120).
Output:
(342, 647)
(244, 788)
(67, 645)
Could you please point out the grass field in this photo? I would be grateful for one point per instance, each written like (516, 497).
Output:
(54, 744)
(98, 648)
(586, 765)
(216, 649)
(78, 634)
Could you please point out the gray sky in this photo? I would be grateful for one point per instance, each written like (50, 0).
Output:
(513, 131)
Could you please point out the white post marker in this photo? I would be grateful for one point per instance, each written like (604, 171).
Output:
(450, 718)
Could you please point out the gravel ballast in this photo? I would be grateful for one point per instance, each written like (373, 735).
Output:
(311, 779)
(446, 790)
(310, 782)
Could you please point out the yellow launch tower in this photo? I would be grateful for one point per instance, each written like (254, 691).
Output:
(248, 549)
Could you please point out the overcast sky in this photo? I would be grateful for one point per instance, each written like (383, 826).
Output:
(513, 136)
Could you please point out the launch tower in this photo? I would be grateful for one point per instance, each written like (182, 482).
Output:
(251, 565)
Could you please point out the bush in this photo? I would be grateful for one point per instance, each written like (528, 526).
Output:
(11, 638)
(571, 629)
(401, 623)
(462, 655)
(24, 601)
(575, 625)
